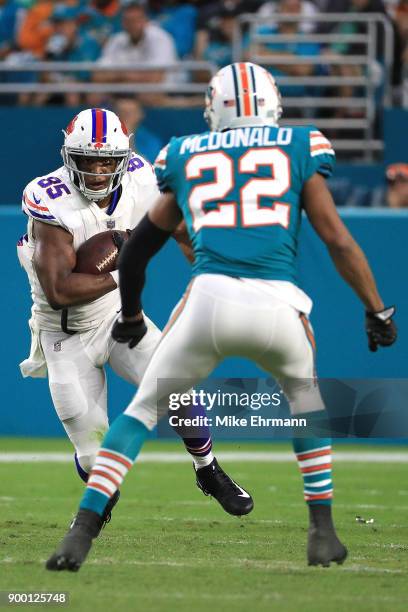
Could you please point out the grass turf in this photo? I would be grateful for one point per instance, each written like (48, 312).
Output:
(169, 548)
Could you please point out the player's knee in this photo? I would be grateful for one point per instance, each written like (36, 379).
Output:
(68, 404)
(303, 396)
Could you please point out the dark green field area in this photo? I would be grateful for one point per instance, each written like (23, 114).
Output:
(169, 548)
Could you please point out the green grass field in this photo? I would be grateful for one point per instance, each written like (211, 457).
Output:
(168, 548)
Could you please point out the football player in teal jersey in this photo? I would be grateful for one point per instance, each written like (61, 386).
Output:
(241, 188)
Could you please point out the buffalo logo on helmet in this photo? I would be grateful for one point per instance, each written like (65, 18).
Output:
(71, 125)
(124, 128)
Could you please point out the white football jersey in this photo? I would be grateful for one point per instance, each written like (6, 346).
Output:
(54, 199)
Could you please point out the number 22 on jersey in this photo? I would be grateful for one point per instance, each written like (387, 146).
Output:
(252, 212)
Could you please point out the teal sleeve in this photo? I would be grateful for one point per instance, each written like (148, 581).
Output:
(320, 154)
(162, 166)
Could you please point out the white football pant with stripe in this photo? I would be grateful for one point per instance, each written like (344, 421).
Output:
(220, 316)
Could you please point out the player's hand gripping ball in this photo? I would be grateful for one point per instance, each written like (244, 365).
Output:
(99, 254)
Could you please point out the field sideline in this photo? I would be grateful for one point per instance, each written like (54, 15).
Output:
(170, 548)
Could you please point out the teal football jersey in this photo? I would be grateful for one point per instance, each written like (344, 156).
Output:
(240, 195)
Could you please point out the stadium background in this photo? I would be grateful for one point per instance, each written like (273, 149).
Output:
(31, 123)
(341, 65)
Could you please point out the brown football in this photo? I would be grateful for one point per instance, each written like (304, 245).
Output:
(98, 254)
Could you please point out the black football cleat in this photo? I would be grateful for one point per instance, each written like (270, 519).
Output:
(77, 543)
(212, 480)
(323, 546)
(107, 515)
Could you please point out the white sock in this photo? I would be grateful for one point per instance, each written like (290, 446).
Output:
(200, 462)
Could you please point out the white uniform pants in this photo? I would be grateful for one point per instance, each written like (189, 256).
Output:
(221, 316)
(77, 379)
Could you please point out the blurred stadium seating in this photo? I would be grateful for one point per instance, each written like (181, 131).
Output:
(341, 64)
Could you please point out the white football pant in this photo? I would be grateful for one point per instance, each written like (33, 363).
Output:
(220, 316)
(77, 379)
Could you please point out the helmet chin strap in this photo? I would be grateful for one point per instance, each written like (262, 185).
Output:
(95, 196)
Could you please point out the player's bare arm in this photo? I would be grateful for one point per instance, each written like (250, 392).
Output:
(349, 260)
(54, 262)
(181, 236)
(347, 256)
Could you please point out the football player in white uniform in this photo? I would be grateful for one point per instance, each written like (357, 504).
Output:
(102, 185)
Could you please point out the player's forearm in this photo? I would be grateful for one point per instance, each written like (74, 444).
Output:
(146, 239)
(353, 266)
(77, 289)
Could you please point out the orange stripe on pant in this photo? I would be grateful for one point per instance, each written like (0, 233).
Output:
(309, 333)
(179, 310)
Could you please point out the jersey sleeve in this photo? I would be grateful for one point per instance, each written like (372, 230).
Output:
(143, 173)
(321, 156)
(36, 205)
(161, 166)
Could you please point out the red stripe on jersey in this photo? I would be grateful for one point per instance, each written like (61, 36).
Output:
(32, 205)
(320, 146)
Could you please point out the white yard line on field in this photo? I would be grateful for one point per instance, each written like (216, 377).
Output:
(233, 456)
(248, 564)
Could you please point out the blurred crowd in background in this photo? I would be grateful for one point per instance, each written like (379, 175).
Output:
(153, 33)
(114, 32)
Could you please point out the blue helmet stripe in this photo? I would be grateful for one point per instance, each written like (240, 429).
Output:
(254, 96)
(93, 124)
(104, 126)
(235, 77)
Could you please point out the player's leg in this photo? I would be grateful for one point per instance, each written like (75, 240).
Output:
(185, 355)
(252, 323)
(291, 361)
(78, 392)
(131, 364)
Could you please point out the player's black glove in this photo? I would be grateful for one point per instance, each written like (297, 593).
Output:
(130, 332)
(381, 329)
